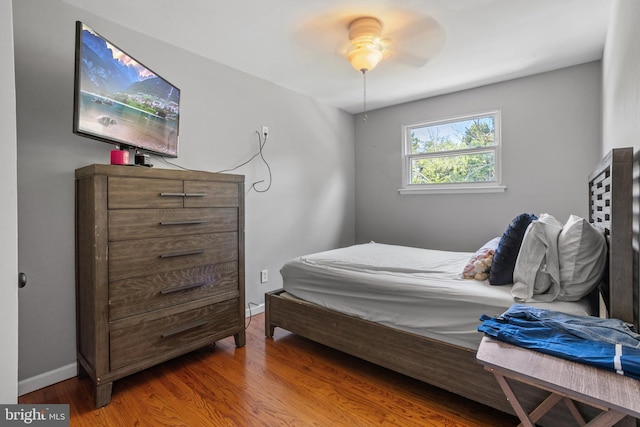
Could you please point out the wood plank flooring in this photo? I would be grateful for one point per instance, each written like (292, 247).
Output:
(287, 381)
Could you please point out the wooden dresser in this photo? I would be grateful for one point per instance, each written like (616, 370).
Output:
(159, 267)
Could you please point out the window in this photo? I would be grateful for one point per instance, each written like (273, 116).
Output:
(460, 154)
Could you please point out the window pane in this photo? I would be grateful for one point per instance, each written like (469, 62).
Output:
(454, 169)
(477, 132)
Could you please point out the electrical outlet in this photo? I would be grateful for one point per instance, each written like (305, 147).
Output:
(265, 131)
(264, 276)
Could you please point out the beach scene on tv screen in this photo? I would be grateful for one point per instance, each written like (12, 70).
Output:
(121, 100)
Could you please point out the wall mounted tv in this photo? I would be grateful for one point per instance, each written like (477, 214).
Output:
(120, 101)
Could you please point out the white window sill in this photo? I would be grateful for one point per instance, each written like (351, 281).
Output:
(454, 189)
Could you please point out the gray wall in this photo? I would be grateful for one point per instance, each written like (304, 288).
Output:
(621, 78)
(309, 207)
(9, 215)
(551, 140)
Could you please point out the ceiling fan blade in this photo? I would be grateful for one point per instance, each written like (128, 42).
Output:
(407, 58)
(415, 42)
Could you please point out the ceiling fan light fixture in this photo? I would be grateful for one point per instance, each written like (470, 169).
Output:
(365, 58)
(364, 35)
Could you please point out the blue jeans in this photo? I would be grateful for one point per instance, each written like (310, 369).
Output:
(605, 343)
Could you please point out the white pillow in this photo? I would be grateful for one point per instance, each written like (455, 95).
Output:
(536, 274)
(582, 251)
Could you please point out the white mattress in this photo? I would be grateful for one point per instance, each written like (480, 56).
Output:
(417, 290)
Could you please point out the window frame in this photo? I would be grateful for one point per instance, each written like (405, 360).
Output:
(495, 186)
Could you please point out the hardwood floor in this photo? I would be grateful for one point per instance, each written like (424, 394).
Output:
(287, 381)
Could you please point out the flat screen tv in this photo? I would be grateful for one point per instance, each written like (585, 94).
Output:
(120, 101)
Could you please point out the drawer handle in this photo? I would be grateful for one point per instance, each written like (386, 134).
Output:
(195, 194)
(182, 288)
(181, 254)
(182, 222)
(182, 329)
(172, 194)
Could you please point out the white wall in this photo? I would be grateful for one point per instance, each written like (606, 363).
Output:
(551, 141)
(8, 213)
(309, 207)
(621, 78)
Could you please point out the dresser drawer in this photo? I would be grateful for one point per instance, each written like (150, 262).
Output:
(125, 224)
(167, 335)
(130, 193)
(132, 258)
(138, 295)
(201, 194)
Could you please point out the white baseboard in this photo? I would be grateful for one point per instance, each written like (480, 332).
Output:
(47, 379)
(254, 309)
(69, 371)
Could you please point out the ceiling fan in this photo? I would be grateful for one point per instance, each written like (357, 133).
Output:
(395, 36)
(368, 48)
(364, 40)
(413, 42)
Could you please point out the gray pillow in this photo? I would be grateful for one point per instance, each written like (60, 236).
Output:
(582, 251)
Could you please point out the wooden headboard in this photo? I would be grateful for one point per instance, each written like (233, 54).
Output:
(610, 209)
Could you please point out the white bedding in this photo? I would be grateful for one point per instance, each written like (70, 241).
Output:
(416, 290)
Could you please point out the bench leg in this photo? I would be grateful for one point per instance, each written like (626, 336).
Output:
(574, 411)
(515, 403)
(606, 419)
(545, 406)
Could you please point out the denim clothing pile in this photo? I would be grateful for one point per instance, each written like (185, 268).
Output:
(605, 343)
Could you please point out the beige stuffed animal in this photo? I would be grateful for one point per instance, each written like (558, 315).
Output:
(482, 267)
(478, 267)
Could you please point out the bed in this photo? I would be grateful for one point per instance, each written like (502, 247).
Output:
(446, 357)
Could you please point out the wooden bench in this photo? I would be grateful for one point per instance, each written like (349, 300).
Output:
(615, 395)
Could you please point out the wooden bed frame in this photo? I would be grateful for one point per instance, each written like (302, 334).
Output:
(455, 368)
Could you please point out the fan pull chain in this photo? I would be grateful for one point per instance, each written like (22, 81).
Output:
(364, 95)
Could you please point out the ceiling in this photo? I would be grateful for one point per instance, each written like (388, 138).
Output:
(438, 46)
